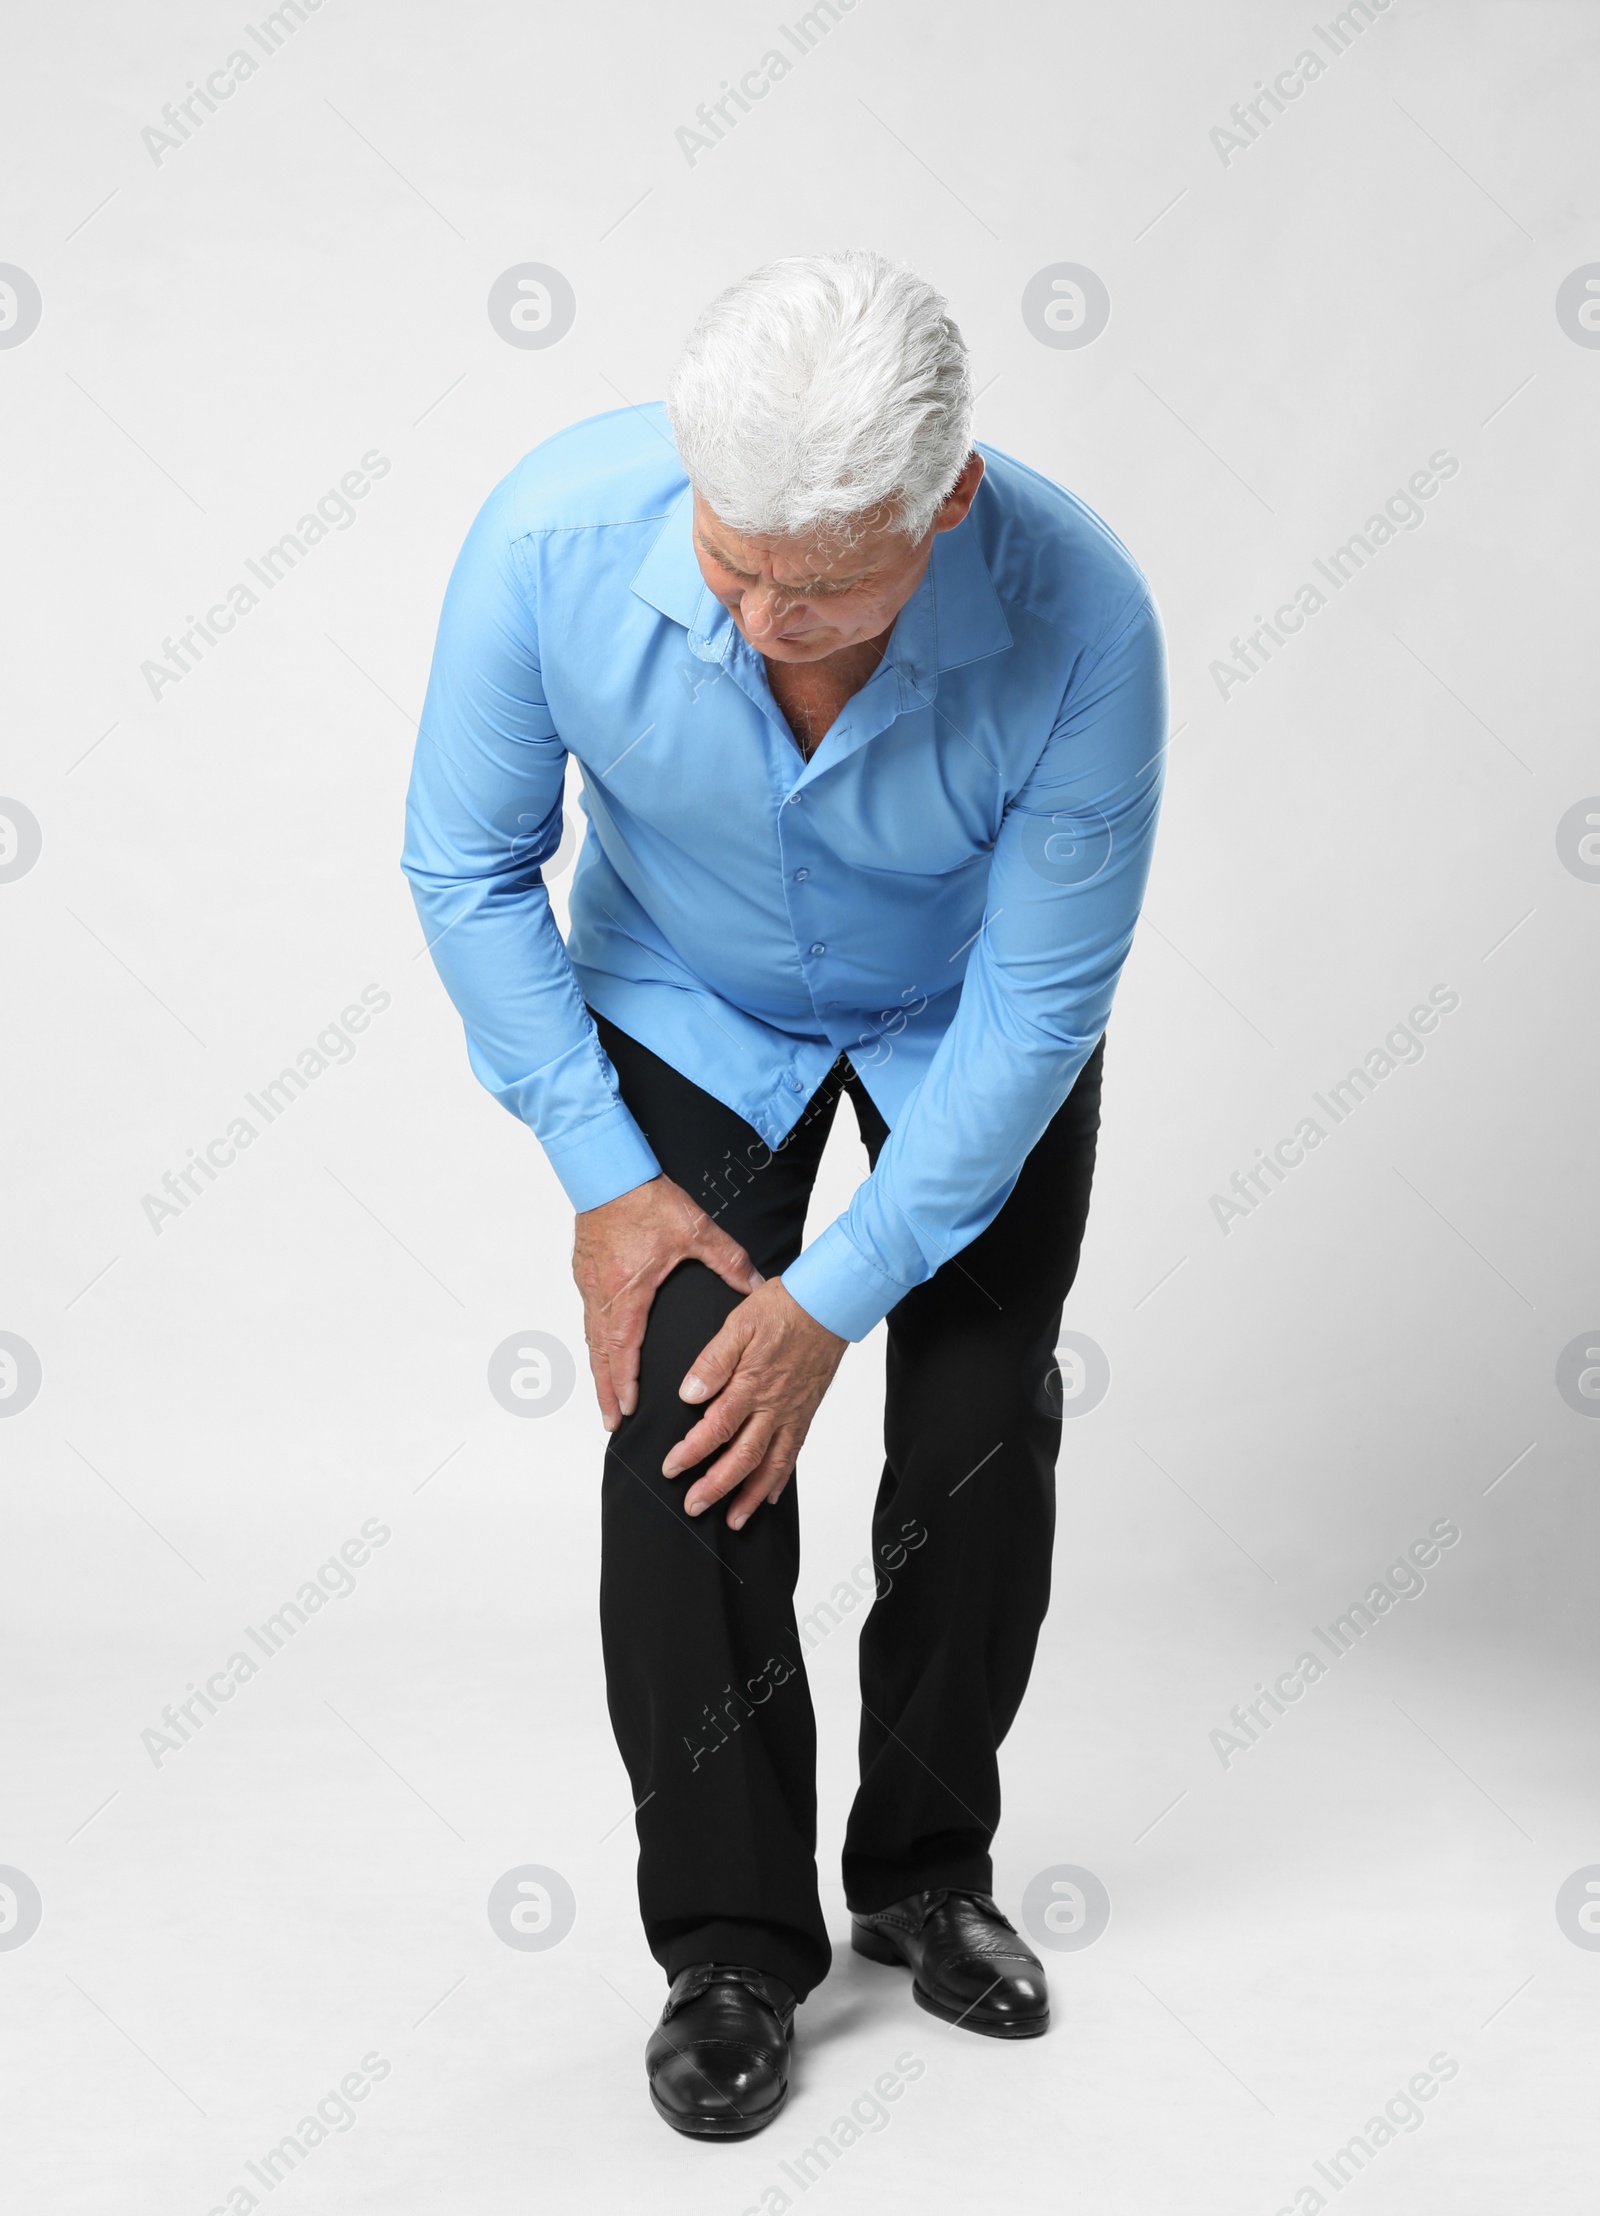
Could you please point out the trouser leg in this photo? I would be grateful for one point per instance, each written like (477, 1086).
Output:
(963, 1526)
(704, 1676)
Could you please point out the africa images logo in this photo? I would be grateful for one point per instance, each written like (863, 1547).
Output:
(20, 305)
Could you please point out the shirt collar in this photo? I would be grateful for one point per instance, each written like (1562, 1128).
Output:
(669, 576)
(968, 620)
(952, 618)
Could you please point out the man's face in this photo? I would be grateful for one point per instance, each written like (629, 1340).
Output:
(802, 599)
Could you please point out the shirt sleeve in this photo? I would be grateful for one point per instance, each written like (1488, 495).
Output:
(483, 814)
(1065, 886)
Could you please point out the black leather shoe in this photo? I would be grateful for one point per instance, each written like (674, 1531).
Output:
(718, 2061)
(967, 1963)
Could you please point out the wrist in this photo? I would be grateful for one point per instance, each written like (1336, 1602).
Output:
(632, 1192)
(803, 1317)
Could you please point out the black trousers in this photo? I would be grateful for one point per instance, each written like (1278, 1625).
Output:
(705, 1666)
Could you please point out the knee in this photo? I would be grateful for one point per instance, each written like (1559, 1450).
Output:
(972, 1359)
(690, 1306)
(686, 1313)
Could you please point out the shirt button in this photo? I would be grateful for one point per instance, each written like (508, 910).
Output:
(797, 1084)
(817, 947)
(801, 875)
(795, 799)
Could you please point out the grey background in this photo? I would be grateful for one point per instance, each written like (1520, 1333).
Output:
(305, 1883)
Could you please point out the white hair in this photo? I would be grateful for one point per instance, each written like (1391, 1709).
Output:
(819, 388)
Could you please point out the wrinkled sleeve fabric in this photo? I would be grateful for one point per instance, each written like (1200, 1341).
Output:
(1066, 882)
(483, 814)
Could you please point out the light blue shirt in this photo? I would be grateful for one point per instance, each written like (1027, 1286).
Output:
(946, 891)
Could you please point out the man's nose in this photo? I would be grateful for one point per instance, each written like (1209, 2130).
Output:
(763, 608)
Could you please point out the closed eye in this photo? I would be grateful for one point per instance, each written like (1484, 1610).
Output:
(818, 589)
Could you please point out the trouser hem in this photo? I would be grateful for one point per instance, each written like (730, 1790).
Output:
(775, 1952)
(963, 1874)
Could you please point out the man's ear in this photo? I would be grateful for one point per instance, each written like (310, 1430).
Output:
(961, 494)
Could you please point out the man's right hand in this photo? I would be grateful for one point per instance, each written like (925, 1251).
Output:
(621, 1253)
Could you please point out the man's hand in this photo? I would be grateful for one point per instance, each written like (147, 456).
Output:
(764, 1373)
(621, 1253)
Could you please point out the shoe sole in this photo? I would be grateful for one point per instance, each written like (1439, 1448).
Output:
(713, 2127)
(878, 1949)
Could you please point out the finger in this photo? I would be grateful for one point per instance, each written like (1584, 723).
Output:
(744, 1455)
(718, 1359)
(615, 1328)
(604, 1391)
(728, 1258)
(764, 1484)
(624, 1339)
(716, 1427)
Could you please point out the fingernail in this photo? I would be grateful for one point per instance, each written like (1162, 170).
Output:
(692, 1388)
(737, 1523)
(696, 1506)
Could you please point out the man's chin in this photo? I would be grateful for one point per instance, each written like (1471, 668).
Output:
(810, 646)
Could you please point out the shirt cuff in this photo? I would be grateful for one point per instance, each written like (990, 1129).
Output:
(835, 1283)
(601, 1159)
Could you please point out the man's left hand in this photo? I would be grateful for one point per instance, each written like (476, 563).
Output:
(764, 1374)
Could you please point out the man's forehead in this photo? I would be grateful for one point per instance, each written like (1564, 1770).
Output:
(825, 557)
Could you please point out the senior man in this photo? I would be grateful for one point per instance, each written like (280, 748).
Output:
(870, 723)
